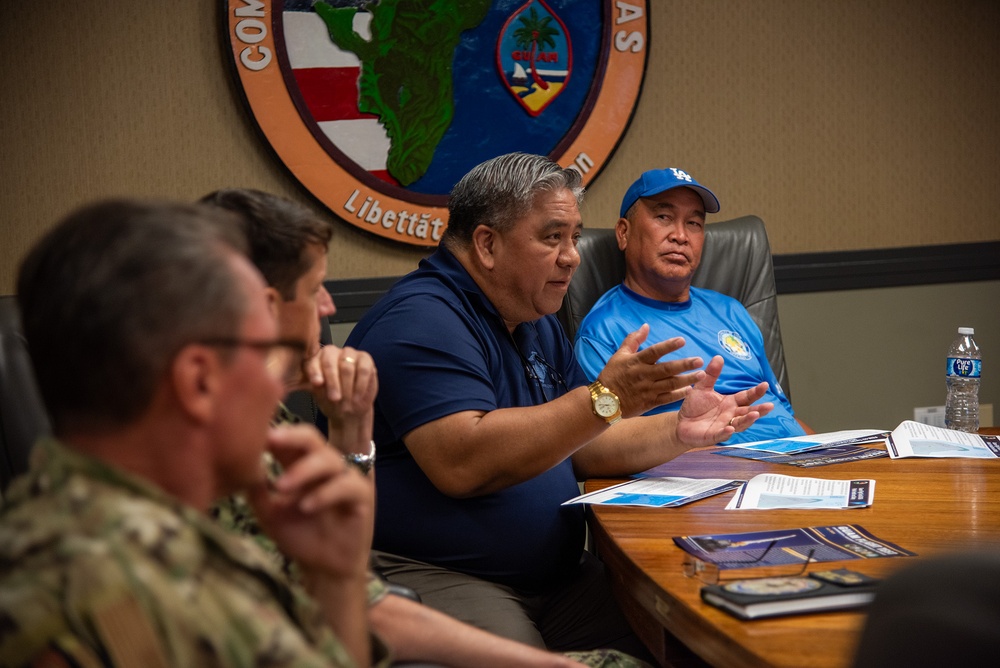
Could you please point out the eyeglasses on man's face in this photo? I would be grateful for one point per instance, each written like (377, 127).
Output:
(710, 573)
(282, 357)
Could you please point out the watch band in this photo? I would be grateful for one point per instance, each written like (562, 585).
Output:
(606, 404)
(361, 461)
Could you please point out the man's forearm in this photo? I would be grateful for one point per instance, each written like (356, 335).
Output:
(344, 602)
(459, 452)
(630, 446)
(416, 632)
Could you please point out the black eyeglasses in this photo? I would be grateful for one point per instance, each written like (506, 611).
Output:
(710, 573)
(282, 357)
(540, 372)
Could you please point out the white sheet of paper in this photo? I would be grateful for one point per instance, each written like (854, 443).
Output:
(913, 439)
(772, 490)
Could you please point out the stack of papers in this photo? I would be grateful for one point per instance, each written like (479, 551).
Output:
(770, 490)
(812, 450)
(794, 444)
(913, 439)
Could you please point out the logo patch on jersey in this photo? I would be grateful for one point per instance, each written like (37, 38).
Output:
(378, 107)
(734, 344)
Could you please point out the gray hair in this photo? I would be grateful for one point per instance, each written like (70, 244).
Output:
(498, 192)
(111, 294)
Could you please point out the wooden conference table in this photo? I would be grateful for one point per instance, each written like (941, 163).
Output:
(925, 506)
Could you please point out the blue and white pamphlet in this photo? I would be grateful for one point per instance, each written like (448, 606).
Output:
(657, 492)
(772, 490)
(778, 547)
(913, 439)
(831, 439)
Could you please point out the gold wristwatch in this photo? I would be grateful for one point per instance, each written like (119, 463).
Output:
(606, 402)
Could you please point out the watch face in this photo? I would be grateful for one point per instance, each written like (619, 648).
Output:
(362, 462)
(606, 405)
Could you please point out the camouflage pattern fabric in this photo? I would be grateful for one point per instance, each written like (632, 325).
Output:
(91, 556)
(607, 658)
(235, 514)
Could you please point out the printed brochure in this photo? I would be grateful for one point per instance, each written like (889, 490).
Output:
(788, 546)
(771, 490)
(913, 439)
(658, 492)
(793, 444)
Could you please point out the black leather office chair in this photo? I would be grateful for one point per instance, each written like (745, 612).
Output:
(736, 261)
(22, 414)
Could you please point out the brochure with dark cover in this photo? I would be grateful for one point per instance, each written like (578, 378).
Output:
(756, 598)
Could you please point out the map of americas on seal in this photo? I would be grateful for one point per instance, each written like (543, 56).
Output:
(379, 107)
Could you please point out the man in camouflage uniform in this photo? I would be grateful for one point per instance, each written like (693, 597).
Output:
(158, 357)
(288, 243)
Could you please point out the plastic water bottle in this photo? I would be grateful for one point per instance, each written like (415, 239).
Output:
(961, 408)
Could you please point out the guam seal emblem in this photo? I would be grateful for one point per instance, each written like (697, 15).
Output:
(534, 56)
(377, 107)
(734, 344)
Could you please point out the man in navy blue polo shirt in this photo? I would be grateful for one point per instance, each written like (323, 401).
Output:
(485, 421)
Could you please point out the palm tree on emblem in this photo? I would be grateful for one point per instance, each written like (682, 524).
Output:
(534, 32)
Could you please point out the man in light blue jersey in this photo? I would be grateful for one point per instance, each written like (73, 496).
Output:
(662, 232)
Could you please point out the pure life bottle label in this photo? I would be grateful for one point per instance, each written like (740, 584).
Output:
(964, 367)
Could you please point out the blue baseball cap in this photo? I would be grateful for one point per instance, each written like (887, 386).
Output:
(656, 181)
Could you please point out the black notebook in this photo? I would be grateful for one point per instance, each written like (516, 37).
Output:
(821, 591)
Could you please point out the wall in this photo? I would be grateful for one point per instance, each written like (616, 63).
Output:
(862, 359)
(848, 124)
(844, 125)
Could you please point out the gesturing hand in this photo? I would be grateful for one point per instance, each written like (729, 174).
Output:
(641, 381)
(707, 417)
(320, 511)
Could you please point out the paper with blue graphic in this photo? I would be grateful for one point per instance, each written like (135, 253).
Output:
(913, 439)
(657, 492)
(831, 439)
(771, 490)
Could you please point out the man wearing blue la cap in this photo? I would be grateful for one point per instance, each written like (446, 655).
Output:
(662, 232)
(657, 181)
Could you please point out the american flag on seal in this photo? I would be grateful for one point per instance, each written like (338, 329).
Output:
(327, 78)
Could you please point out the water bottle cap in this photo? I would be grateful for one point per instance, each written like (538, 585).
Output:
(967, 330)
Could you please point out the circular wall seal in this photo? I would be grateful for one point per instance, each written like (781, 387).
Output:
(378, 107)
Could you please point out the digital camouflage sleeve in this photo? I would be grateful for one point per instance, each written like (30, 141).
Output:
(106, 569)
